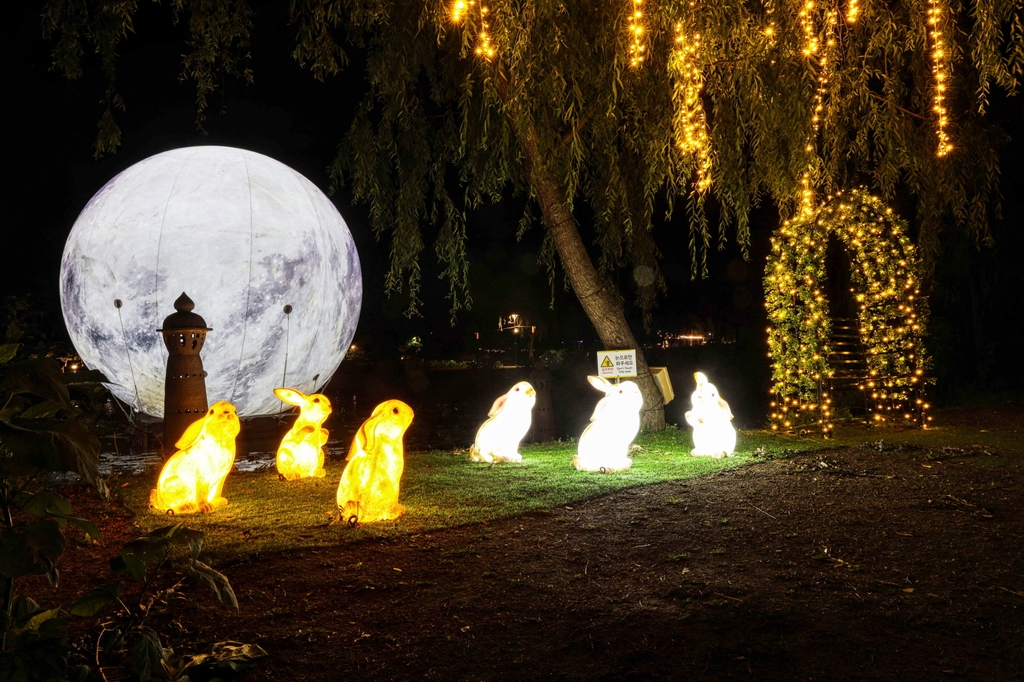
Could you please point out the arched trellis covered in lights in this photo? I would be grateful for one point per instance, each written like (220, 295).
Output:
(892, 314)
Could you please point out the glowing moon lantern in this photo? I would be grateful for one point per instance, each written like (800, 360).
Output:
(263, 253)
(369, 486)
(604, 445)
(498, 438)
(301, 454)
(193, 478)
(713, 434)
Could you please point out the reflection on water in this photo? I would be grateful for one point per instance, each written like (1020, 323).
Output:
(450, 404)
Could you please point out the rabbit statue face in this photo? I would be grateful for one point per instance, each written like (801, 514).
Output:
(713, 434)
(369, 486)
(301, 454)
(193, 478)
(498, 438)
(604, 445)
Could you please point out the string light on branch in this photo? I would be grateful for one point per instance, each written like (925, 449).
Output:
(941, 71)
(806, 195)
(691, 128)
(769, 29)
(807, 24)
(483, 39)
(459, 9)
(825, 66)
(636, 33)
(852, 11)
(459, 12)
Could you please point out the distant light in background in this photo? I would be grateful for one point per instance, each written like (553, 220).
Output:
(643, 275)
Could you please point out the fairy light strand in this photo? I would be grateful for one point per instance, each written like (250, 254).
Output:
(940, 70)
(637, 48)
(852, 11)
(459, 10)
(807, 24)
(825, 67)
(692, 136)
(769, 29)
(483, 46)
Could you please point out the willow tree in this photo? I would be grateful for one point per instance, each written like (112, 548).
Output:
(614, 110)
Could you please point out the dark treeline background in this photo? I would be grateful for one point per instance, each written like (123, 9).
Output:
(976, 294)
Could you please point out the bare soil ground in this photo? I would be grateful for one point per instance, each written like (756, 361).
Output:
(848, 564)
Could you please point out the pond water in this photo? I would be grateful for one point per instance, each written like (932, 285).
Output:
(450, 404)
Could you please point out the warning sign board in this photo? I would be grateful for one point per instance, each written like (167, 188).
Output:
(615, 364)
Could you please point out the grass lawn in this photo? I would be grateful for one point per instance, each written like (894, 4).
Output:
(443, 489)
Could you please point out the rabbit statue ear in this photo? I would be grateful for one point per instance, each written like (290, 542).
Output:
(290, 396)
(497, 406)
(599, 409)
(368, 431)
(600, 383)
(725, 406)
(193, 432)
(365, 438)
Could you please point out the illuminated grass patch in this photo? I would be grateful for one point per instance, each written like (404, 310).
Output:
(444, 490)
(439, 490)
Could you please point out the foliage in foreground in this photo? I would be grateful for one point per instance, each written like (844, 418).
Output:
(37, 642)
(42, 431)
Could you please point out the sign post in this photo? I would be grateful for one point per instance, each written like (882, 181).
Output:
(616, 364)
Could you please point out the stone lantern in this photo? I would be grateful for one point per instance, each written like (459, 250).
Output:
(185, 386)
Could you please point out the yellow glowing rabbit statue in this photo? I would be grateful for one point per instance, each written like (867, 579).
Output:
(193, 478)
(301, 454)
(369, 486)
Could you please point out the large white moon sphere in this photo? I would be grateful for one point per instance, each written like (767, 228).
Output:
(244, 236)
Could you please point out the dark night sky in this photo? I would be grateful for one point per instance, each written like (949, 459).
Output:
(287, 115)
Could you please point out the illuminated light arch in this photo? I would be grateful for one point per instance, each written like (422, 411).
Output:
(892, 313)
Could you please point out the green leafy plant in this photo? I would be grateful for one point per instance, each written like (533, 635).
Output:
(40, 432)
(43, 431)
(126, 637)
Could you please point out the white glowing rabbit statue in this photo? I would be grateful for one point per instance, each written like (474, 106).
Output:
(604, 445)
(301, 454)
(713, 434)
(498, 438)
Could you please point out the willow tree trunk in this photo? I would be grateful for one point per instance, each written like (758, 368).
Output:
(600, 302)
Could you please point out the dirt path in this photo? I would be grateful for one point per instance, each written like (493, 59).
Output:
(849, 565)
